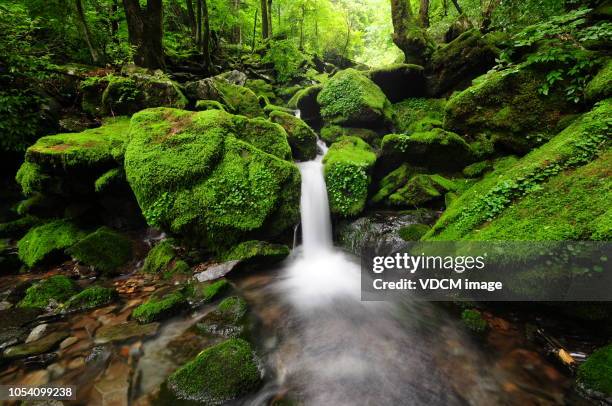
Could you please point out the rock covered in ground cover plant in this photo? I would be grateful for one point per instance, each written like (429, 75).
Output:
(212, 177)
(58, 288)
(332, 133)
(232, 97)
(595, 374)
(229, 319)
(305, 100)
(159, 308)
(350, 98)
(399, 81)
(302, 139)
(347, 168)
(105, 250)
(600, 87)
(48, 241)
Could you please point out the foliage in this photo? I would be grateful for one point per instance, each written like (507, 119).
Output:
(58, 288)
(286, 58)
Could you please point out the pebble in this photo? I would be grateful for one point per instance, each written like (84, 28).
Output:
(37, 333)
(68, 342)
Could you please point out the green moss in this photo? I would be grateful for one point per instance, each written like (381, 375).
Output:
(156, 309)
(93, 148)
(17, 228)
(257, 252)
(240, 99)
(92, 89)
(202, 105)
(261, 88)
(412, 114)
(350, 98)
(596, 372)
(392, 182)
(304, 97)
(31, 178)
(413, 232)
(105, 250)
(477, 169)
(91, 297)
(179, 267)
(121, 96)
(302, 139)
(109, 179)
(600, 86)
(44, 242)
(557, 192)
(58, 287)
(347, 167)
(473, 320)
(212, 291)
(509, 109)
(229, 319)
(230, 369)
(286, 58)
(436, 149)
(332, 133)
(270, 108)
(203, 175)
(159, 258)
(420, 190)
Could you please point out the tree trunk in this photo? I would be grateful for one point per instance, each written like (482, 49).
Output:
(269, 11)
(114, 26)
(191, 16)
(302, 27)
(236, 31)
(445, 7)
(145, 32)
(254, 31)
(264, 19)
(95, 56)
(424, 13)
(407, 34)
(457, 6)
(199, 23)
(206, 37)
(487, 14)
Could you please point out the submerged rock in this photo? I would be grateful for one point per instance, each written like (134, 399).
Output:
(302, 139)
(40, 346)
(218, 374)
(347, 167)
(212, 177)
(229, 319)
(125, 331)
(349, 98)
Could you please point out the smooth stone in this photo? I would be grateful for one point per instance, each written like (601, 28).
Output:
(37, 333)
(216, 271)
(125, 331)
(41, 346)
(68, 342)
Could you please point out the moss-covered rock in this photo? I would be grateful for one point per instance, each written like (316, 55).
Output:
(412, 114)
(458, 62)
(507, 108)
(350, 98)
(596, 372)
(600, 87)
(302, 139)
(229, 319)
(212, 177)
(392, 182)
(218, 374)
(420, 190)
(240, 100)
(477, 169)
(347, 167)
(399, 81)
(59, 288)
(332, 133)
(214, 290)
(413, 232)
(473, 320)
(202, 105)
(436, 149)
(261, 88)
(160, 258)
(105, 250)
(305, 100)
(557, 192)
(91, 297)
(17, 228)
(257, 253)
(47, 241)
(156, 309)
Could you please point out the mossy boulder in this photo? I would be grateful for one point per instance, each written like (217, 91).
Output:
(600, 87)
(332, 133)
(350, 98)
(47, 242)
(125, 95)
(105, 250)
(229, 319)
(212, 177)
(596, 372)
(156, 309)
(508, 108)
(161, 258)
(302, 139)
(347, 166)
(461, 60)
(91, 297)
(413, 232)
(214, 290)
(18, 227)
(399, 81)
(436, 149)
(202, 105)
(416, 190)
(257, 253)
(305, 100)
(557, 192)
(59, 288)
(234, 98)
(218, 374)
(418, 114)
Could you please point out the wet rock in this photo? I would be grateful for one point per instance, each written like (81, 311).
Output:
(40, 346)
(68, 342)
(12, 325)
(125, 331)
(40, 361)
(156, 309)
(114, 386)
(255, 253)
(379, 230)
(305, 101)
(216, 271)
(227, 320)
(230, 369)
(37, 333)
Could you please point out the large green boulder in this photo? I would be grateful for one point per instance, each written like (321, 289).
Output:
(399, 81)
(234, 98)
(507, 108)
(212, 177)
(600, 87)
(47, 242)
(105, 250)
(350, 98)
(59, 288)
(332, 133)
(124, 95)
(302, 139)
(596, 372)
(347, 166)
(305, 100)
(218, 374)
(559, 191)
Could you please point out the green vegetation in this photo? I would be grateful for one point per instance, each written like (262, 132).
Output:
(302, 139)
(473, 320)
(409, 112)
(599, 87)
(215, 289)
(46, 241)
(257, 252)
(105, 250)
(413, 232)
(421, 189)
(59, 288)
(91, 297)
(230, 369)
(160, 258)
(156, 309)
(347, 174)
(332, 133)
(229, 319)
(596, 372)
